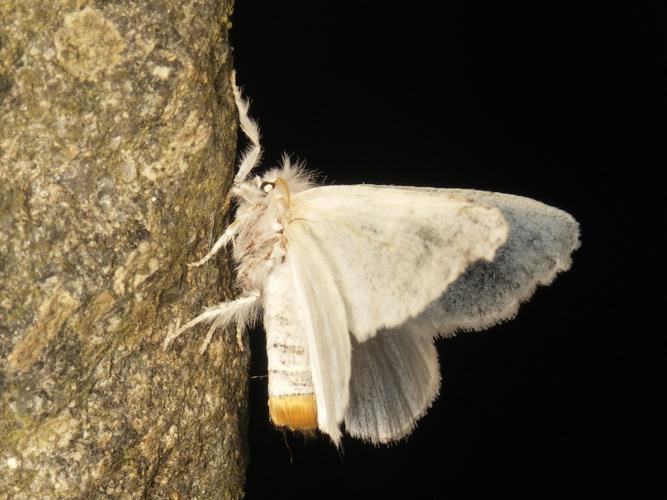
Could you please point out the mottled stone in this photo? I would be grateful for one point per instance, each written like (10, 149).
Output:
(88, 45)
(53, 312)
(117, 144)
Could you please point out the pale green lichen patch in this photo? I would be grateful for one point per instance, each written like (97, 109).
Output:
(161, 72)
(56, 432)
(88, 45)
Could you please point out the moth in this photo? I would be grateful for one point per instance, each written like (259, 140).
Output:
(355, 283)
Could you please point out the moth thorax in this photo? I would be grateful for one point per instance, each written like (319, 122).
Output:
(291, 394)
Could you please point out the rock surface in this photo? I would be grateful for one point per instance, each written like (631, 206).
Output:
(117, 144)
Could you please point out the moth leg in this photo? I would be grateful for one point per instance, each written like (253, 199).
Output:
(217, 323)
(223, 240)
(239, 336)
(241, 311)
(252, 155)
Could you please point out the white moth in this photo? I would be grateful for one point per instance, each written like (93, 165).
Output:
(356, 282)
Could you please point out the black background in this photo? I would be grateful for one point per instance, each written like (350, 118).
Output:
(561, 103)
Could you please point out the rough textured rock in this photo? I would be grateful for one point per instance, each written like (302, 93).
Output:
(117, 140)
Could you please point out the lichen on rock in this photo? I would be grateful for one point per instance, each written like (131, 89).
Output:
(88, 45)
(53, 312)
(93, 97)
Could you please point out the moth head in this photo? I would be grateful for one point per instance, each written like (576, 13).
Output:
(276, 185)
(272, 185)
(262, 190)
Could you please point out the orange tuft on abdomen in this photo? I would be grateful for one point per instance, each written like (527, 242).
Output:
(296, 412)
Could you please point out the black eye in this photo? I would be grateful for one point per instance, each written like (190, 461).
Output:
(267, 187)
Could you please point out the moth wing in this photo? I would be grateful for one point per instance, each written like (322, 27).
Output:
(321, 312)
(539, 245)
(395, 378)
(395, 250)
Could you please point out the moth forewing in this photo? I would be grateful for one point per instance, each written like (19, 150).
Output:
(395, 250)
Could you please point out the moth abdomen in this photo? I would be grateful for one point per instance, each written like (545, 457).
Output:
(292, 402)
